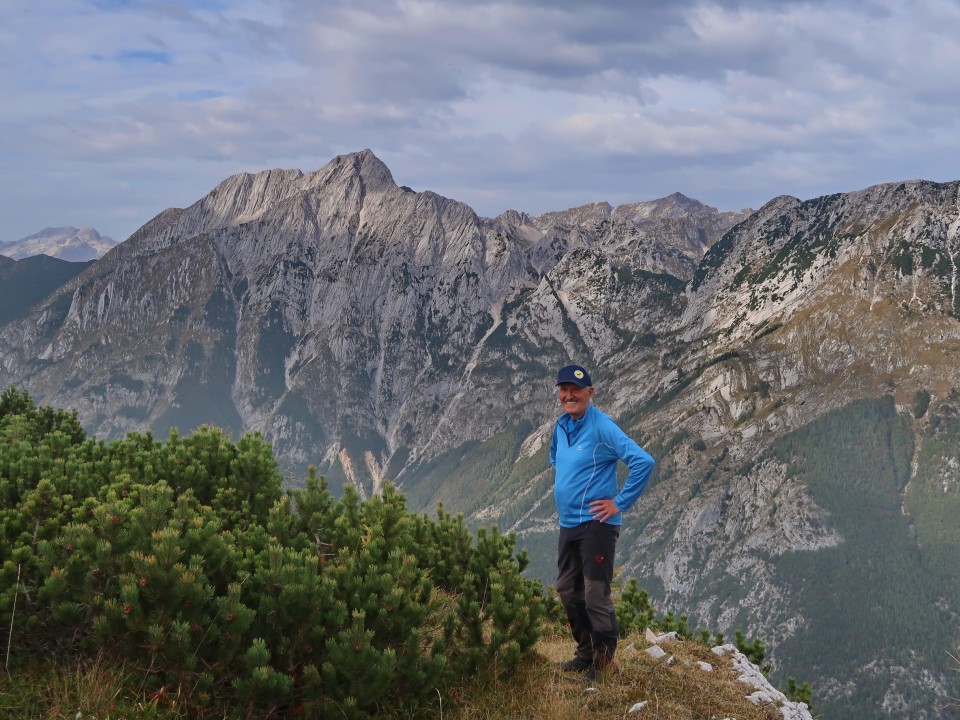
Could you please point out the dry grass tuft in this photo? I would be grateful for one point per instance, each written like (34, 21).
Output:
(677, 691)
(93, 690)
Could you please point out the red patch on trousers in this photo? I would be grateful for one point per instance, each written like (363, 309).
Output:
(598, 559)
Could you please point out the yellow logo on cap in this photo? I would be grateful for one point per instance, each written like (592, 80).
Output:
(578, 374)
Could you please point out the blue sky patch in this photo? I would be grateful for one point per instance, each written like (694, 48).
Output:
(149, 56)
(199, 95)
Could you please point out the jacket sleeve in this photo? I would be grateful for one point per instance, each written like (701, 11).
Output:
(638, 461)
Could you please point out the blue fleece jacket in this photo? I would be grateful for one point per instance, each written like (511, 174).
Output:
(584, 454)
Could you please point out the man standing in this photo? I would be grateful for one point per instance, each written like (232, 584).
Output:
(584, 452)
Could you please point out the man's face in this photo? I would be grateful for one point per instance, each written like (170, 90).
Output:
(574, 400)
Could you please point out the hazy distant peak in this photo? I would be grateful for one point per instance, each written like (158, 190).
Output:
(66, 243)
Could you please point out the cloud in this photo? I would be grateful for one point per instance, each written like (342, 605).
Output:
(114, 107)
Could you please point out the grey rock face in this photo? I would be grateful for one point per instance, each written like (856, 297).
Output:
(334, 306)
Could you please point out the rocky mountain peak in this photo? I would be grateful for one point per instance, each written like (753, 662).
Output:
(364, 165)
(578, 216)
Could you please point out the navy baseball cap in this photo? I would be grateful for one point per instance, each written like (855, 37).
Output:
(574, 374)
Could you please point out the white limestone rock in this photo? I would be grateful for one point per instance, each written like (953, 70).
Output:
(764, 693)
(656, 652)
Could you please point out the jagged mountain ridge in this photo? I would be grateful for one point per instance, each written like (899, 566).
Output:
(383, 333)
(278, 246)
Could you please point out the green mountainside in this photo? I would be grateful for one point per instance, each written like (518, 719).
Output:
(24, 283)
(880, 589)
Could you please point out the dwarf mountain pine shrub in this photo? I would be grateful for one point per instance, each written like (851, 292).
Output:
(186, 561)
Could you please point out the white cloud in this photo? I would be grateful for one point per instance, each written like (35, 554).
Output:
(116, 110)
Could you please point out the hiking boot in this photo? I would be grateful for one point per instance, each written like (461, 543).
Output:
(593, 673)
(576, 665)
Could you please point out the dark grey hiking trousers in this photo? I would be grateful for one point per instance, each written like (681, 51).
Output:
(584, 572)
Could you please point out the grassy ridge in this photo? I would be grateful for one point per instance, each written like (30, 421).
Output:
(538, 689)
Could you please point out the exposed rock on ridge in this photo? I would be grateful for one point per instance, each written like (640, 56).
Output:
(336, 278)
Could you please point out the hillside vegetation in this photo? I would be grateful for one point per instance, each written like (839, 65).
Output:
(177, 579)
(185, 564)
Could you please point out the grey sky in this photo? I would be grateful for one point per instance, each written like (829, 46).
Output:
(114, 110)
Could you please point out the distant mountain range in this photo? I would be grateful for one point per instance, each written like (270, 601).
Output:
(66, 243)
(795, 371)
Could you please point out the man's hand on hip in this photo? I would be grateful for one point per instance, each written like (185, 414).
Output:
(603, 510)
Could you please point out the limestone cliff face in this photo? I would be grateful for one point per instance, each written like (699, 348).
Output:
(386, 334)
(335, 307)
